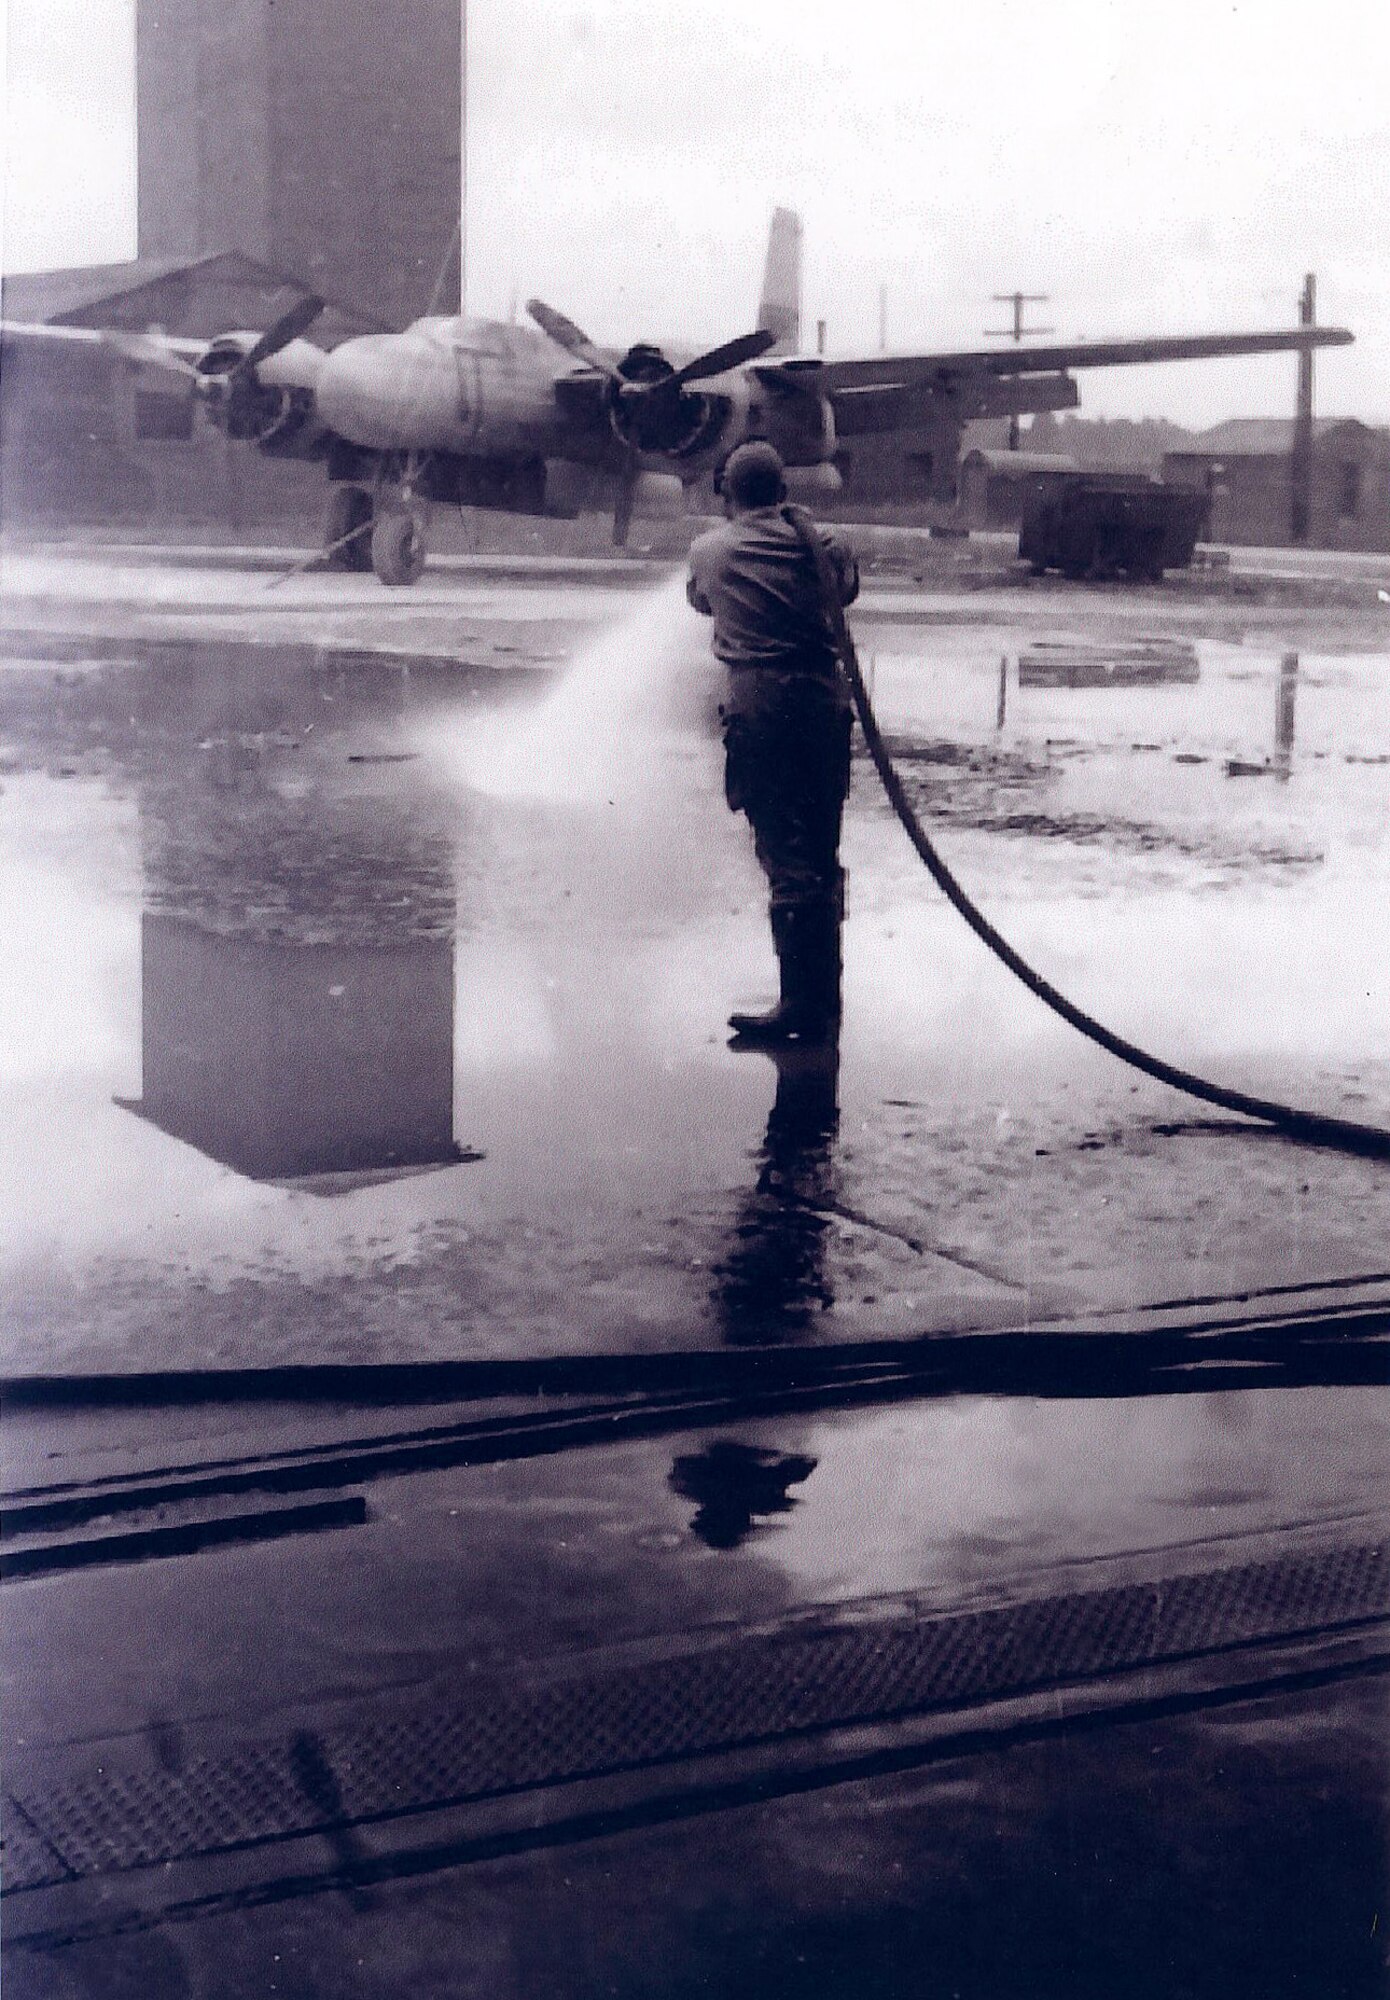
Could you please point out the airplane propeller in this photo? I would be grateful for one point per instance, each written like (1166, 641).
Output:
(219, 363)
(627, 495)
(240, 404)
(572, 338)
(223, 379)
(733, 354)
(288, 327)
(645, 391)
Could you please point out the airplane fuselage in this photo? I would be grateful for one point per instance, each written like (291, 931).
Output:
(456, 385)
(487, 390)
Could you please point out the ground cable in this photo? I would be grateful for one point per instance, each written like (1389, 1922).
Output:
(1310, 1127)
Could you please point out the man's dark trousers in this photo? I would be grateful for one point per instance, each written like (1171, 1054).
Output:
(787, 764)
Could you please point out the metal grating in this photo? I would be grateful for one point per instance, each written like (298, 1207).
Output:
(26, 1859)
(120, 1819)
(752, 1690)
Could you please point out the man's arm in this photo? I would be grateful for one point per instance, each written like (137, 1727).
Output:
(844, 565)
(694, 589)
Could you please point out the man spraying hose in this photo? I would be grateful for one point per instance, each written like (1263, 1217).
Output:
(787, 719)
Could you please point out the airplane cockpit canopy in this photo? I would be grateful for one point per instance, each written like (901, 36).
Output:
(468, 336)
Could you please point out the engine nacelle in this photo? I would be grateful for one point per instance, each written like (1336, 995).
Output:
(813, 482)
(659, 496)
(789, 413)
(276, 415)
(572, 489)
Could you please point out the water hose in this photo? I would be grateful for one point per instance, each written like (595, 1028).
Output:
(1310, 1127)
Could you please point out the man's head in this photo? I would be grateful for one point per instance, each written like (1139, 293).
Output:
(753, 476)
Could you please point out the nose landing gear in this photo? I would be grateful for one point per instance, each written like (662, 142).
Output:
(379, 527)
(398, 545)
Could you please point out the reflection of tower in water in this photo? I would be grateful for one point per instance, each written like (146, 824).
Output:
(297, 974)
(772, 1281)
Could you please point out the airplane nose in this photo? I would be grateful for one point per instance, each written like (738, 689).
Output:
(388, 392)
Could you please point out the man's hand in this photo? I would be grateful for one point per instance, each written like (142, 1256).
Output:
(846, 569)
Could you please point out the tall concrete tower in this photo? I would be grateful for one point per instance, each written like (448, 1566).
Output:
(321, 137)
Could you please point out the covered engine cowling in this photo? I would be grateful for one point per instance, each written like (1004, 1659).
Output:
(812, 482)
(571, 489)
(248, 408)
(660, 496)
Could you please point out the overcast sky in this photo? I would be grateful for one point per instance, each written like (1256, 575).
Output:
(1167, 168)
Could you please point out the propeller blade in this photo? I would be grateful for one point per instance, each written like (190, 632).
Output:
(627, 496)
(572, 338)
(148, 349)
(732, 354)
(288, 327)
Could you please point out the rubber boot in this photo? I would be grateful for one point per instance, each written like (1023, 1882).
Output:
(779, 1023)
(807, 942)
(821, 972)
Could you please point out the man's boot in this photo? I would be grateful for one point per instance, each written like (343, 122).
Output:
(779, 1023)
(807, 941)
(822, 972)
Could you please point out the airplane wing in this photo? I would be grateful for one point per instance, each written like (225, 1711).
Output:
(914, 371)
(294, 365)
(158, 350)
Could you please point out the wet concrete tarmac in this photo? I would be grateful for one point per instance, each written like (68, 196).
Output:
(348, 1023)
(202, 847)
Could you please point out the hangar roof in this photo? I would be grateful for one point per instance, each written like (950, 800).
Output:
(1259, 437)
(203, 298)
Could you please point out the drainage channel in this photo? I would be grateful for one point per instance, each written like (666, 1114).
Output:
(125, 1841)
(509, 1410)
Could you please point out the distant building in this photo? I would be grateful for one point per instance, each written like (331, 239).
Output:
(893, 476)
(86, 435)
(201, 297)
(1245, 464)
(318, 137)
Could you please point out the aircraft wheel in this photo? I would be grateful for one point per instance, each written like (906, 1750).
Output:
(349, 515)
(398, 547)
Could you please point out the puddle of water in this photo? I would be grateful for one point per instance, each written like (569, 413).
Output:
(977, 1494)
(299, 966)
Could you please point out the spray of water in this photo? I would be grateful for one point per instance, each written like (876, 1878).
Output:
(632, 696)
(596, 813)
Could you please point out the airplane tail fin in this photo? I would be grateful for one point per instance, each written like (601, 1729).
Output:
(779, 310)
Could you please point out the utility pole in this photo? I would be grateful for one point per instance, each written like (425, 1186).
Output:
(1016, 333)
(463, 158)
(1301, 457)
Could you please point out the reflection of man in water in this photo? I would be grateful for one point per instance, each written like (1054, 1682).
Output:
(786, 729)
(735, 1485)
(772, 1282)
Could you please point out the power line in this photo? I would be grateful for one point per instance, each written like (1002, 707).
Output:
(1017, 333)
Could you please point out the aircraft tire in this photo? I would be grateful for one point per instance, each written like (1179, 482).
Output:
(398, 548)
(349, 513)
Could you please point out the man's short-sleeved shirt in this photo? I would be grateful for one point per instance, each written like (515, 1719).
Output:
(756, 579)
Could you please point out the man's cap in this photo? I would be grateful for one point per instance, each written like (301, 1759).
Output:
(753, 475)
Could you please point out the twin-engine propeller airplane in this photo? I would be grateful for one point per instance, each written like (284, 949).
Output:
(538, 420)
